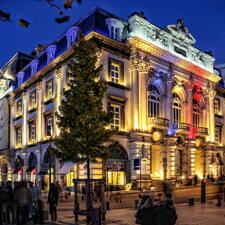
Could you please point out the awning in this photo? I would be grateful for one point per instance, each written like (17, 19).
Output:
(66, 168)
(16, 170)
(43, 172)
(30, 168)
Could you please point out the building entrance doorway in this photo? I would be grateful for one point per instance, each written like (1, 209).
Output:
(116, 167)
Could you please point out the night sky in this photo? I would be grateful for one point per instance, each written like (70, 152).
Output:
(205, 20)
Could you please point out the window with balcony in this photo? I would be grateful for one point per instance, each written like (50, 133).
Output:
(176, 108)
(115, 109)
(33, 101)
(218, 134)
(19, 136)
(217, 106)
(196, 114)
(116, 71)
(19, 108)
(32, 131)
(49, 89)
(153, 101)
(48, 125)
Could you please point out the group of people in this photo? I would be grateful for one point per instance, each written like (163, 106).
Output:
(159, 211)
(21, 202)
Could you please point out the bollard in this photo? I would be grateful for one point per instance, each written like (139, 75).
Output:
(135, 204)
(107, 205)
(191, 201)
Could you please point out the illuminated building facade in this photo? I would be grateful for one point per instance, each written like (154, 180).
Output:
(162, 92)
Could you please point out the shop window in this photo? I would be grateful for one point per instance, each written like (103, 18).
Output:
(19, 136)
(32, 131)
(49, 89)
(153, 101)
(33, 101)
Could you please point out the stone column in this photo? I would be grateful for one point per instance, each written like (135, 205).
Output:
(12, 116)
(58, 96)
(39, 112)
(168, 105)
(24, 126)
(211, 97)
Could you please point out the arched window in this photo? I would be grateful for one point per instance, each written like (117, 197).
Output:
(153, 101)
(177, 107)
(196, 113)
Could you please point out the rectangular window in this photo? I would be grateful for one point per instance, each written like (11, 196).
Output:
(115, 72)
(218, 134)
(18, 136)
(49, 89)
(217, 106)
(32, 131)
(33, 102)
(49, 125)
(19, 108)
(115, 109)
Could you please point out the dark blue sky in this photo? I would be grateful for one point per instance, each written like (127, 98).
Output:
(205, 20)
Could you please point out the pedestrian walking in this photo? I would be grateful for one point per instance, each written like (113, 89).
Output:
(23, 199)
(8, 194)
(53, 197)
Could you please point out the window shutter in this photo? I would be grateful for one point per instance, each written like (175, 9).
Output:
(122, 116)
(122, 73)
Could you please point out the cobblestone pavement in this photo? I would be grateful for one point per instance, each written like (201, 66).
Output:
(199, 214)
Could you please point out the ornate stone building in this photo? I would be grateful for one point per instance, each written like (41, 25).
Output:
(161, 90)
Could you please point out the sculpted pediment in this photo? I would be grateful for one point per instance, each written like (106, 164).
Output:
(180, 31)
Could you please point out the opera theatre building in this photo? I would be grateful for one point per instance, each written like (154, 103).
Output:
(167, 100)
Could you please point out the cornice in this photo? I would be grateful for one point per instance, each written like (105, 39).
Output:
(169, 57)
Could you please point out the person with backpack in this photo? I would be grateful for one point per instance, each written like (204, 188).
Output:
(53, 197)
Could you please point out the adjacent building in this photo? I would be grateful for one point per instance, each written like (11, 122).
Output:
(167, 104)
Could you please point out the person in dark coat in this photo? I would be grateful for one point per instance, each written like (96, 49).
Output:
(148, 216)
(9, 202)
(53, 197)
(22, 199)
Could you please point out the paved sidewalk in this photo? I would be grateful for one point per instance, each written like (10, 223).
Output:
(199, 214)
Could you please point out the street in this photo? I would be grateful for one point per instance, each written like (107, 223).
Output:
(199, 214)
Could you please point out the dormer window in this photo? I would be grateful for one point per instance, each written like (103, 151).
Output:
(51, 52)
(20, 76)
(34, 65)
(115, 28)
(71, 36)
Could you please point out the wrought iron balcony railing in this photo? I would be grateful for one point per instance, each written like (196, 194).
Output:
(181, 126)
(158, 122)
(201, 130)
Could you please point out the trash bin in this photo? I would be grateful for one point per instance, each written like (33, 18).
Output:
(191, 201)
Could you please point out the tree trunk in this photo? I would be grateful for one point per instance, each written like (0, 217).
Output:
(88, 189)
